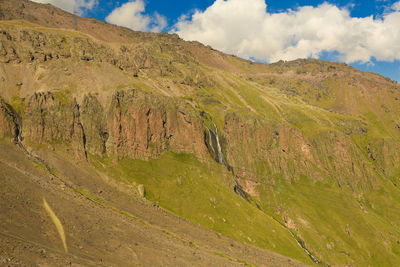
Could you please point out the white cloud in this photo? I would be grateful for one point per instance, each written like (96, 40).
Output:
(78, 6)
(245, 28)
(131, 15)
(396, 6)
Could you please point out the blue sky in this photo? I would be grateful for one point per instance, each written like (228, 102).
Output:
(364, 34)
(174, 9)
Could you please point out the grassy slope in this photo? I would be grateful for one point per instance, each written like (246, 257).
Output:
(329, 219)
(200, 192)
(112, 228)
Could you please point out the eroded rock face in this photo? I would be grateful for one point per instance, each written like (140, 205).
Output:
(53, 118)
(23, 46)
(93, 118)
(142, 125)
(286, 151)
(136, 125)
(8, 121)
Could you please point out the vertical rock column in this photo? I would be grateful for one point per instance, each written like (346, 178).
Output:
(53, 118)
(9, 121)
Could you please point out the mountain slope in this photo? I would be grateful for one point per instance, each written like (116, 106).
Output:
(249, 150)
(100, 230)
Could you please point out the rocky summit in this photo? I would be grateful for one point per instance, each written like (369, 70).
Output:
(124, 148)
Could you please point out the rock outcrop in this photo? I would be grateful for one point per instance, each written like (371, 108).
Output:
(284, 150)
(9, 121)
(93, 118)
(23, 46)
(143, 125)
(54, 118)
(137, 124)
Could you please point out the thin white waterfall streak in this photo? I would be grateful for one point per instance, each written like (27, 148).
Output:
(210, 139)
(213, 131)
(219, 152)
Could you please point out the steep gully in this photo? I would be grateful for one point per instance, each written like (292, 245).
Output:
(211, 139)
(18, 140)
(300, 243)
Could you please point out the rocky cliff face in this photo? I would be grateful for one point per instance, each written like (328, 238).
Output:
(53, 118)
(136, 124)
(9, 121)
(144, 126)
(285, 150)
(93, 118)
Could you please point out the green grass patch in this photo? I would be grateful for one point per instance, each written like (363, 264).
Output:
(89, 195)
(201, 192)
(193, 244)
(332, 224)
(127, 214)
(245, 263)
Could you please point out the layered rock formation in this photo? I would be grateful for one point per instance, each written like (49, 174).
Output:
(144, 126)
(9, 121)
(53, 118)
(136, 124)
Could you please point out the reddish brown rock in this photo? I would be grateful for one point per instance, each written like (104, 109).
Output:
(94, 121)
(8, 121)
(53, 118)
(284, 151)
(138, 125)
(143, 125)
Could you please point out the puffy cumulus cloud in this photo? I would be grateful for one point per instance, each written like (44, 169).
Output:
(131, 15)
(396, 6)
(78, 6)
(245, 28)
